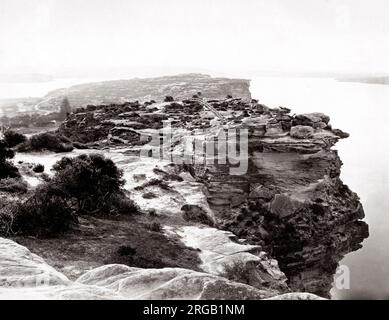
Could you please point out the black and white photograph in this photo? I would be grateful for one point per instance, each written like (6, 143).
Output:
(197, 150)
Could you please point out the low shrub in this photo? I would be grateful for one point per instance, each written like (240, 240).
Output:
(47, 141)
(168, 99)
(14, 138)
(6, 220)
(154, 226)
(8, 170)
(152, 213)
(196, 214)
(39, 168)
(94, 182)
(45, 214)
(237, 272)
(13, 185)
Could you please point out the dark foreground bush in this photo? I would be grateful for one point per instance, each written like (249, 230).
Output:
(95, 183)
(168, 99)
(45, 214)
(14, 138)
(85, 185)
(237, 272)
(7, 169)
(196, 214)
(119, 204)
(13, 185)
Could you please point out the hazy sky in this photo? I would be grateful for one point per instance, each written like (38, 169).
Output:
(287, 35)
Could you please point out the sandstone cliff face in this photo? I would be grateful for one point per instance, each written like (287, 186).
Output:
(290, 201)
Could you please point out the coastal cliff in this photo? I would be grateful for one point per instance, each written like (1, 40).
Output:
(235, 200)
(290, 200)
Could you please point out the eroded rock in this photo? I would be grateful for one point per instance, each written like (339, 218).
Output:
(26, 276)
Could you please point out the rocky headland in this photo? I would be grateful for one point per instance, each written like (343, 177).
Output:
(146, 89)
(279, 226)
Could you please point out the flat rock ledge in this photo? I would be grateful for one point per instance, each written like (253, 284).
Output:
(24, 275)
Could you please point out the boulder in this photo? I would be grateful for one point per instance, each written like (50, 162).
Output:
(301, 132)
(309, 119)
(261, 192)
(284, 206)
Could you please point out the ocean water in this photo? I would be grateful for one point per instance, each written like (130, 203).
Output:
(359, 109)
(363, 111)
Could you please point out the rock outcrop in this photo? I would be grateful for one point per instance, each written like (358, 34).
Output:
(26, 276)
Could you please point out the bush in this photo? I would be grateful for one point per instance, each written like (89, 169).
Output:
(39, 168)
(45, 214)
(237, 272)
(88, 184)
(7, 169)
(154, 226)
(47, 141)
(121, 205)
(196, 214)
(153, 213)
(6, 221)
(14, 138)
(45, 177)
(13, 185)
(168, 99)
(95, 183)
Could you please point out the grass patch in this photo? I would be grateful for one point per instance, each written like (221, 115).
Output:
(126, 240)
